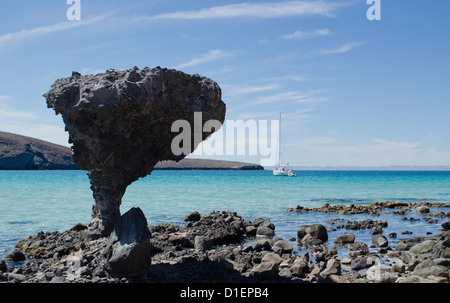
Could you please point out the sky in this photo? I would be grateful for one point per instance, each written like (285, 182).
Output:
(351, 91)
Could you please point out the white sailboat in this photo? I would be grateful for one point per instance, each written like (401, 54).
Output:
(281, 169)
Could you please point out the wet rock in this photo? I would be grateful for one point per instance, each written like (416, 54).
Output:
(250, 230)
(120, 124)
(316, 231)
(193, 216)
(264, 227)
(265, 231)
(446, 225)
(344, 239)
(422, 210)
(15, 256)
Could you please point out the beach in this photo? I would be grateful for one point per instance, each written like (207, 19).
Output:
(342, 202)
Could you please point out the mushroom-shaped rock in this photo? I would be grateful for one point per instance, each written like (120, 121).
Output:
(120, 124)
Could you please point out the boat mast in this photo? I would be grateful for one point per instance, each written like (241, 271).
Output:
(279, 142)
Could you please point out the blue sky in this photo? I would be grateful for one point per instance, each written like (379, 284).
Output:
(351, 91)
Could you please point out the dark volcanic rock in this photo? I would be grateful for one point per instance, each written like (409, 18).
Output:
(25, 153)
(128, 249)
(317, 231)
(120, 124)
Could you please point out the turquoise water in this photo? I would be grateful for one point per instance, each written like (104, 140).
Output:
(33, 201)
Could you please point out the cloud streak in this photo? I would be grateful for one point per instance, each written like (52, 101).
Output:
(249, 89)
(212, 55)
(291, 97)
(257, 10)
(44, 30)
(343, 49)
(305, 35)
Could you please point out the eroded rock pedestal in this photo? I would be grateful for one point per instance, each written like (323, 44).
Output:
(120, 125)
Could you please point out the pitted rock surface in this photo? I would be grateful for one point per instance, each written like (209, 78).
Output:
(120, 125)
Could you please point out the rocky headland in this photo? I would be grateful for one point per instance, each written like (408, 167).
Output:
(223, 247)
(25, 153)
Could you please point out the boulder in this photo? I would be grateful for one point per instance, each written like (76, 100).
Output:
(282, 247)
(262, 244)
(193, 216)
(446, 225)
(266, 270)
(422, 210)
(435, 270)
(380, 240)
(423, 248)
(272, 257)
(333, 268)
(121, 124)
(265, 231)
(299, 268)
(15, 256)
(362, 262)
(317, 231)
(380, 274)
(128, 247)
(201, 243)
(344, 239)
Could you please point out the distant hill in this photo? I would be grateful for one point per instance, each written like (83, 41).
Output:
(25, 153)
(204, 164)
(19, 152)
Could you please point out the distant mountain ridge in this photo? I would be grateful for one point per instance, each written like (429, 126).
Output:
(19, 152)
(205, 164)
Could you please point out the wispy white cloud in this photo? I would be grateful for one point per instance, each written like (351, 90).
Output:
(212, 55)
(43, 30)
(6, 112)
(292, 97)
(305, 35)
(343, 49)
(248, 89)
(257, 10)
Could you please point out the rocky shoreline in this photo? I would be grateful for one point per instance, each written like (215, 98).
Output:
(223, 247)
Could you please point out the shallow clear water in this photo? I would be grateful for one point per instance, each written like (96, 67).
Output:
(31, 201)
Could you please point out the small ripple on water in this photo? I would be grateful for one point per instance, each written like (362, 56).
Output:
(22, 222)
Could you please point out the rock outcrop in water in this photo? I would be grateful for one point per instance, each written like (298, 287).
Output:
(120, 125)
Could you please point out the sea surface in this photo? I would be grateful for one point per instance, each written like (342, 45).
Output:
(33, 201)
